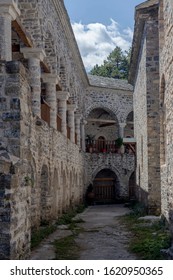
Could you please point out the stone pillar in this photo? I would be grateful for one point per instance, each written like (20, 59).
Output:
(62, 109)
(8, 12)
(71, 109)
(121, 129)
(83, 123)
(34, 56)
(77, 128)
(51, 80)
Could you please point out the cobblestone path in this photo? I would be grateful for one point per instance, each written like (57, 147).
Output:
(103, 236)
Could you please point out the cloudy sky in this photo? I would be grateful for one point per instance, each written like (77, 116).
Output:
(100, 26)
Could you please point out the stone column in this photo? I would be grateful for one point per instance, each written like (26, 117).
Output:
(51, 80)
(62, 109)
(8, 12)
(121, 129)
(34, 56)
(77, 128)
(83, 123)
(71, 109)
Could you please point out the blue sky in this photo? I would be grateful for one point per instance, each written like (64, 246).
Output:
(101, 25)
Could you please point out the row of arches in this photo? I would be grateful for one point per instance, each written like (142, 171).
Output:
(53, 194)
(104, 128)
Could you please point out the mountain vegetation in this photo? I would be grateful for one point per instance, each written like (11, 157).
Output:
(115, 66)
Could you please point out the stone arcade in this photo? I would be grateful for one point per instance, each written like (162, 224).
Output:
(58, 125)
(48, 107)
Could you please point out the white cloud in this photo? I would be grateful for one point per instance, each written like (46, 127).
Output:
(96, 41)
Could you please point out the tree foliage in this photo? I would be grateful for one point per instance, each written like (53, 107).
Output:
(115, 66)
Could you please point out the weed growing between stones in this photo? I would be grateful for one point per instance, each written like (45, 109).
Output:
(67, 217)
(46, 229)
(66, 248)
(149, 238)
(41, 234)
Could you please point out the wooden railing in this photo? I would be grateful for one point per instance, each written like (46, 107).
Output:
(101, 146)
(59, 123)
(68, 132)
(76, 138)
(45, 112)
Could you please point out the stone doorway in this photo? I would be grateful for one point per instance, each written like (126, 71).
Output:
(106, 187)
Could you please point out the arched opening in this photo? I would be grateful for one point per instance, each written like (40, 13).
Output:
(101, 131)
(55, 200)
(64, 192)
(106, 187)
(132, 186)
(45, 198)
(162, 121)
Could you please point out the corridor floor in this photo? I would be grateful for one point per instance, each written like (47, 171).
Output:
(103, 236)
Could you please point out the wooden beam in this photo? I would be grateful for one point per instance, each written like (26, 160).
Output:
(17, 25)
(45, 67)
(101, 120)
(104, 179)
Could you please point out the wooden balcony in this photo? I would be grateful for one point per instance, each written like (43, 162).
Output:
(76, 138)
(59, 123)
(101, 146)
(45, 111)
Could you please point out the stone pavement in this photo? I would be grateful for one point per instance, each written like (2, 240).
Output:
(103, 236)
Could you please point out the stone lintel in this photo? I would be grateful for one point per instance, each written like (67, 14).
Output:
(38, 53)
(9, 7)
(50, 78)
(63, 95)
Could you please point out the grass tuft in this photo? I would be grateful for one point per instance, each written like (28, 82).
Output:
(41, 234)
(148, 238)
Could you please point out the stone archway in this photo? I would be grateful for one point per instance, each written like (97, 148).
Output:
(55, 198)
(102, 130)
(45, 198)
(106, 187)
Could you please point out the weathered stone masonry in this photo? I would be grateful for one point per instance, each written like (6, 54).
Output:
(144, 75)
(45, 98)
(151, 73)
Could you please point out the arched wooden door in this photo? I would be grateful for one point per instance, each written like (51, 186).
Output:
(106, 187)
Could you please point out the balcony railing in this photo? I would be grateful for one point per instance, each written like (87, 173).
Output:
(101, 146)
(68, 132)
(76, 138)
(45, 111)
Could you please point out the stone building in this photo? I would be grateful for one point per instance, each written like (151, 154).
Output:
(48, 107)
(151, 74)
(144, 75)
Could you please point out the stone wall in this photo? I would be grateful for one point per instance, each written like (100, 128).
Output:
(166, 68)
(144, 74)
(42, 172)
(43, 167)
(140, 121)
(123, 165)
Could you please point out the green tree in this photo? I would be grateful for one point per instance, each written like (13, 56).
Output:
(115, 66)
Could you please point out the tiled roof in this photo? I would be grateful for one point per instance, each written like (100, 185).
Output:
(109, 83)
